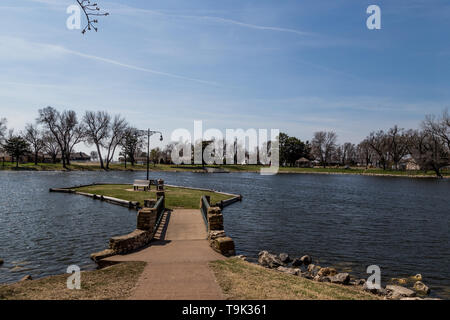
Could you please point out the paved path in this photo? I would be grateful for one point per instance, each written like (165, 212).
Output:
(177, 263)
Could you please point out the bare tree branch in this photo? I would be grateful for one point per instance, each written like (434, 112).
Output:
(90, 10)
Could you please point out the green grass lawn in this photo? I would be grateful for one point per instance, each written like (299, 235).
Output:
(175, 197)
(241, 280)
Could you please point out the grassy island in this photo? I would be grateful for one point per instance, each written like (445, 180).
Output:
(175, 197)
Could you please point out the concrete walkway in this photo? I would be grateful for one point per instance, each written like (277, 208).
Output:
(177, 262)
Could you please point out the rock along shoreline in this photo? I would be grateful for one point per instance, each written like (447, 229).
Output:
(303, 267)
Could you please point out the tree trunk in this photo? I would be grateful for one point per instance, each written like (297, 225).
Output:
(35, 158)
(438, 172)
(100, 157)
(63, 159)
(17, 162)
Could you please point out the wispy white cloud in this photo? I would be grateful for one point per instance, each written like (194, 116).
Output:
(133, 10)
(249, 25)
(21, 49)
(132, 67)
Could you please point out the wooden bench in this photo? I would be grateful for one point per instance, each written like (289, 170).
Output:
(141, 184)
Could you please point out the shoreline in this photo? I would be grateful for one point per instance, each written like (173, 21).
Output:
(283, 170)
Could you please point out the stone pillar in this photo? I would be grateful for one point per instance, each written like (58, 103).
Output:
(146, 219)
(224, 245)
(215, 218)
(160, 185)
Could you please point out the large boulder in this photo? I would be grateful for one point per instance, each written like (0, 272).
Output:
(284, 257)
(397, 292)
(379, 291)
(313, 269)
(321, 279)
(292, 271)
(306, 260)
(358, 282)
(417, 277)
(325, 272)
(340, 278)
(269, 260)
(421, 287)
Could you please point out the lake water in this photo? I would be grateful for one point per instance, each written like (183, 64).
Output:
(350, 222)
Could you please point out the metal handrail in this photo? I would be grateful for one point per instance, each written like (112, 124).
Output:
(159, 206)
(204, 209)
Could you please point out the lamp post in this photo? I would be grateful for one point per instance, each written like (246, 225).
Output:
(149, 134)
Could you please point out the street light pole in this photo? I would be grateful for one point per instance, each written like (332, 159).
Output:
(149, 134)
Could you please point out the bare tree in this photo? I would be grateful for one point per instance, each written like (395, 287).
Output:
(35, 139)
(91, 10)
(97, 130)
(348, 153)
(323, 145)
(428, 150)
(378, 142)
(75, 132)
(365, 153)
(117, 134)
(439, 126)
(65, 129)
(51, 146)
(397, 146)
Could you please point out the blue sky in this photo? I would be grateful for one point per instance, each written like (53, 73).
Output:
(297, 66)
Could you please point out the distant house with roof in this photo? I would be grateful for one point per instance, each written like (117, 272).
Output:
(303, 163)
(409, 164)
(80, 156)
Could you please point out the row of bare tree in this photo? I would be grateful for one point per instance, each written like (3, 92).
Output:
(57, 133)
(428, 146)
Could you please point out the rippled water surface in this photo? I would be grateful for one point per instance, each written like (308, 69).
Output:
(400, 224)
